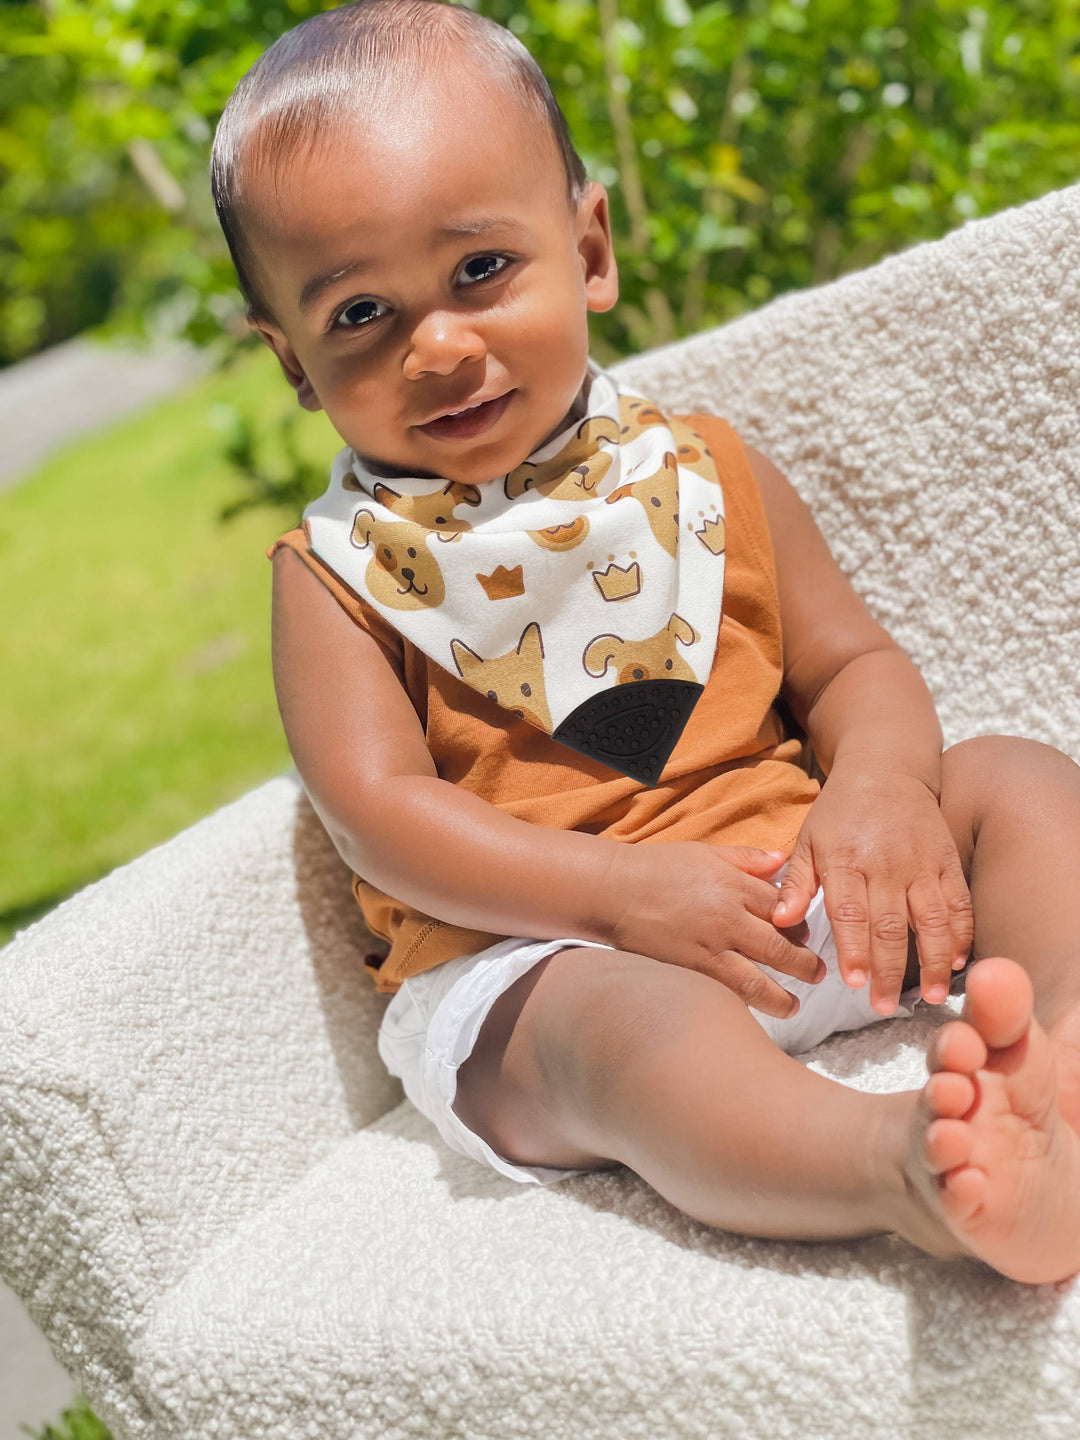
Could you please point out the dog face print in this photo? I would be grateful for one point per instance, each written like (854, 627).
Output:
(433, 512)
(514, 680)
(658, 495)
(655, 658)
(690, 452)
(572, 474)
(637, 415)
(402, 573)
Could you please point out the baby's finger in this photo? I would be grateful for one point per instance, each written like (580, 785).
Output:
(767, 945)
(847, 907)
(932, 923)
(797, 889)
(753, 986)
(888, 942)
(751, 860)
(797, 934)
(957, 897)
(759, 899)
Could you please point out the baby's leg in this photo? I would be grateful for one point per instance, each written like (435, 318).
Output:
(991, 1149)
(595, 1057)
(996, 1140)
(1013, 807)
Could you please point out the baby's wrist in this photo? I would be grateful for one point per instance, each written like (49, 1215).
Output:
(870, 767)
(609, 896)
(618, 894)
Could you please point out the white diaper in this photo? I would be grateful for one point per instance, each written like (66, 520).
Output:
(431, 1024)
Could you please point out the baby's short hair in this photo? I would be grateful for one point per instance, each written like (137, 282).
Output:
(327, 66)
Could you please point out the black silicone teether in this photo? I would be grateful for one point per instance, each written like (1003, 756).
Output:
(633, 728)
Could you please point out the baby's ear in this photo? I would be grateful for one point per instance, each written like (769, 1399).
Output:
(596, 249)
(286, 356)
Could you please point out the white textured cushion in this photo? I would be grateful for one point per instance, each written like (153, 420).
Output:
(928, 412)
(178, 1044)
(400, 1290)
(229, 1223)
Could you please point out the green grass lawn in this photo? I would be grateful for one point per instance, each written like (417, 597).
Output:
(135, 650)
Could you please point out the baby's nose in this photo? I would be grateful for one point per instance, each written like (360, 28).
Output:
(441, 341)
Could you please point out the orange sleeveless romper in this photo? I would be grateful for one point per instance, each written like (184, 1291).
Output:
(735, 777)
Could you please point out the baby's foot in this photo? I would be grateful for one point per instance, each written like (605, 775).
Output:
(990, 1150)
(1064, 1036)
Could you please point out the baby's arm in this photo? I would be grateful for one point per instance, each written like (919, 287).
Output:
(360, 748)
(875, 839)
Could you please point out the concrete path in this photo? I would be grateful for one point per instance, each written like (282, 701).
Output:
(77, 387)
(54, 397)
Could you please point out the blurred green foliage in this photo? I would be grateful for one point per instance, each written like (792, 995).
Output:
(77, 1423)
(750, 146)
(287, 478)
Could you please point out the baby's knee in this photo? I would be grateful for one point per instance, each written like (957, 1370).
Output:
(1005, 774)
(521, 1087)
(627, 1035)
(608, 1009)
(550, 1069)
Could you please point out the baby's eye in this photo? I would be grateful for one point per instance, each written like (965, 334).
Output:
(355, 315)
(484, 262)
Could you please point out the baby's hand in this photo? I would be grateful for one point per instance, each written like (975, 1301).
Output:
(707, 908)
(878, 845)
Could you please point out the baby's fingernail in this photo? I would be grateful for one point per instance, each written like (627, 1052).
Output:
(857, 979)
(937, 993)
(959, 962)
(884, 1005)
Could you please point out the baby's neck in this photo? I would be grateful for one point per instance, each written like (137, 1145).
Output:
(572, 416)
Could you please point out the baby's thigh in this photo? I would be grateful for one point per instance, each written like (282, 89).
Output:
(1007, 781)
(514, 1090)
(553, 1045)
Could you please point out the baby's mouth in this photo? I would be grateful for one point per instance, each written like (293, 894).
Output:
(467, 424)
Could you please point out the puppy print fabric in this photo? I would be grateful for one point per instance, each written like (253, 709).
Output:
(583, 591)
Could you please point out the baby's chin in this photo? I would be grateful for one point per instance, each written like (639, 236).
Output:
(461, 469)
(464, 468)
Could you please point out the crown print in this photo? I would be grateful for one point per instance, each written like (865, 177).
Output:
(615, 583)
(503, 584)
(711, 536)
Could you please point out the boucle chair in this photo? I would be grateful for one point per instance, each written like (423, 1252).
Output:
(229, 1222)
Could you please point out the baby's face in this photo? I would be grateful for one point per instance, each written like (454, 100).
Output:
(425, 264)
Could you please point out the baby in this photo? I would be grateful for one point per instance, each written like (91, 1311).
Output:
(532, 651)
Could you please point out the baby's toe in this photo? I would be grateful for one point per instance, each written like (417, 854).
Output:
(950, 1094)
(999, 1001)
(963, 1192)
(959, 1047)
(948, 1143)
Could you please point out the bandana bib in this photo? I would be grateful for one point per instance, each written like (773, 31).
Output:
(582, 591)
